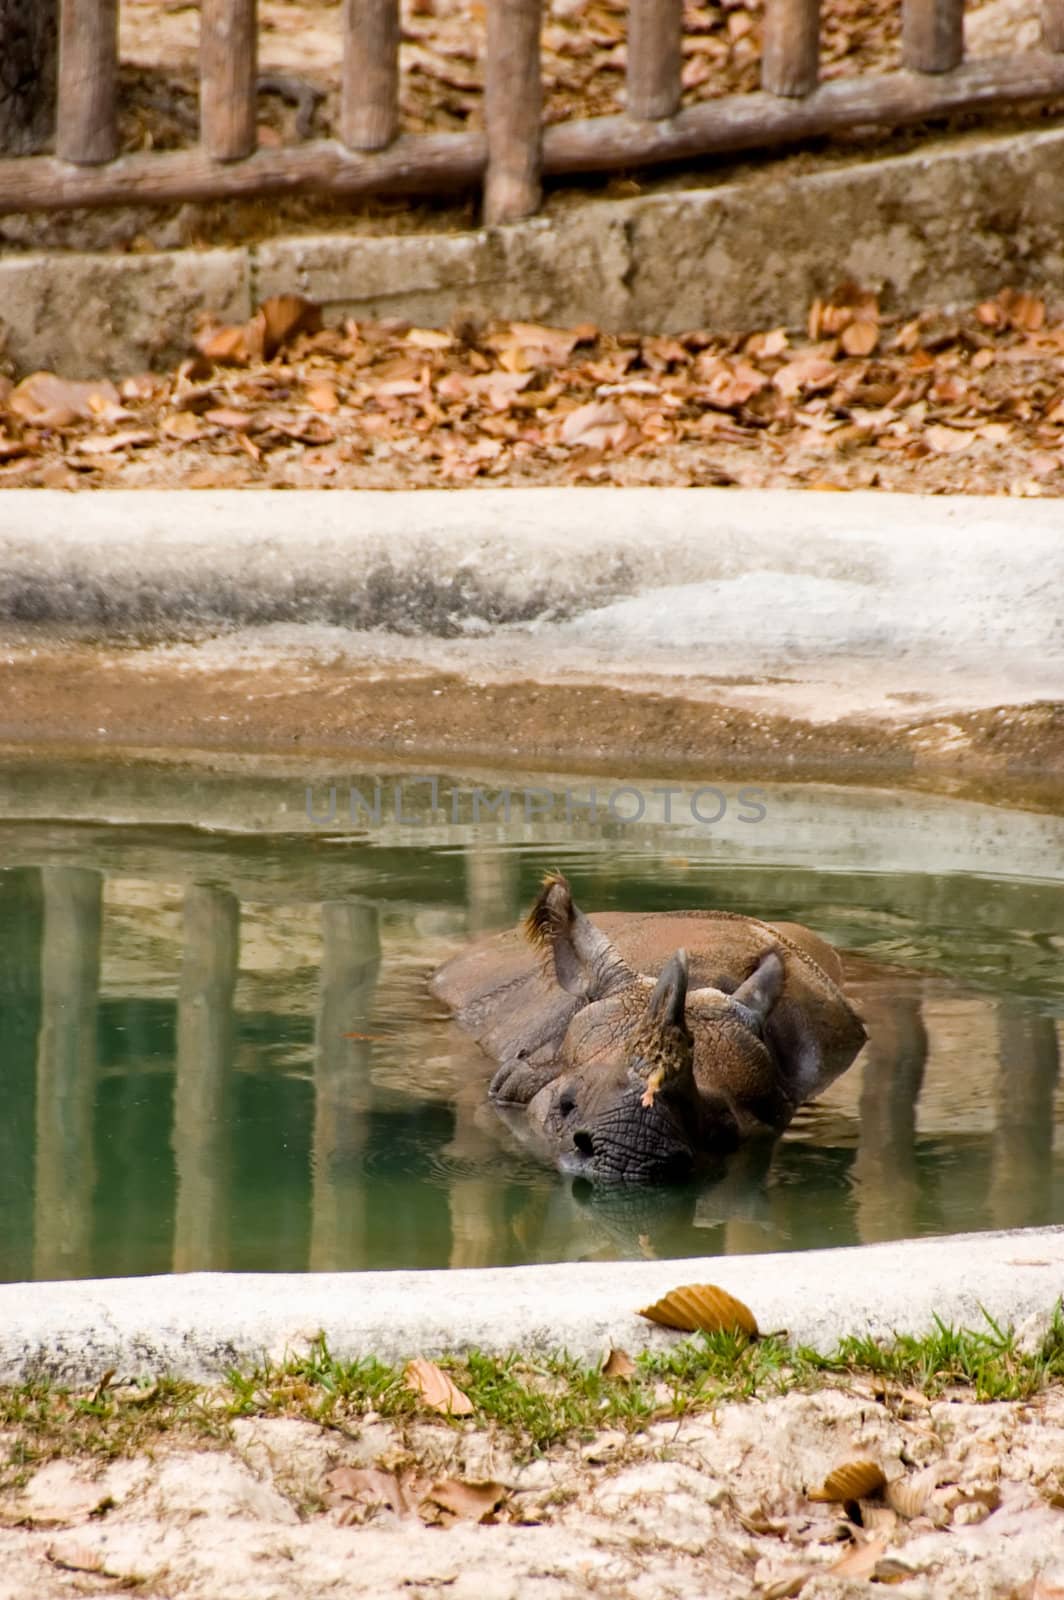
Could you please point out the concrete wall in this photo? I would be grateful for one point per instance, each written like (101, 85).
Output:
(947, 223)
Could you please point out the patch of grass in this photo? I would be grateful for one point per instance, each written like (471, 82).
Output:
(533, 1401)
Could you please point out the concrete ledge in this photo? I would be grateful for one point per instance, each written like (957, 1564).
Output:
(99, 314)
(947, 223)
(742, 582)
(198, 1326)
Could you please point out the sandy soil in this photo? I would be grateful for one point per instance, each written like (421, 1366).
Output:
(709, 1506)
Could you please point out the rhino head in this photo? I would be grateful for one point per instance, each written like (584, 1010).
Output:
(641, 1088)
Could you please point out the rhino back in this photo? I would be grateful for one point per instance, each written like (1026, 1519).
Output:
(500, 994)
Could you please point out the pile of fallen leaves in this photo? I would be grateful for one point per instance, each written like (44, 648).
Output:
(937, 402)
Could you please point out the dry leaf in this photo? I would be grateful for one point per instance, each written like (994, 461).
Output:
(322, 396)
(852, 1481)
(227, 346)
(284, 316)
(431, 1383)
(595, 426)
(618, 1364)
(476, 1501)
(429, 339)
(860, 337)
(860, 1561)
(702, 1307)
(105, 444)
(787, 1584)
(229, 417)
(183, 425)
(55, 402)
(368, 1487)
(805, 375)
(73, 1556)
(945, 441)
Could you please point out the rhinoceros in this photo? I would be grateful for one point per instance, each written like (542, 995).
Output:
(642, 1046)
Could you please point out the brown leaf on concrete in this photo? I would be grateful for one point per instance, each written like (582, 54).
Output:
(368, 1488)
(852, 1481)
(435, 1389)
(73, 1556)
(284, 317)
(702, 1307)
(227, 346)
(946, 441)
(106, 444)
(860, 1561)
(595, 426)
(475, 1501)
(860, 337)
(805, 375)
(322, 396)
(618, 1364)
(54, 402)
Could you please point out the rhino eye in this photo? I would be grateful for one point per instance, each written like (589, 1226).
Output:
(567, 1105)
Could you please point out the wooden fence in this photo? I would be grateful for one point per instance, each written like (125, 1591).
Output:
(514, 152)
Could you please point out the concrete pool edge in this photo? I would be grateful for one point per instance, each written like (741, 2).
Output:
(200, 1325)
(860, 637)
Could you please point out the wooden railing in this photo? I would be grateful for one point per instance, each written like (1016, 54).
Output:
(514, 152)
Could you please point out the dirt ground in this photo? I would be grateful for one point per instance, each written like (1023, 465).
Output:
(708, 1506)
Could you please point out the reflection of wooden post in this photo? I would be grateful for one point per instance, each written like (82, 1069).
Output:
(1021, 1180)
(20, 1015)
(894, 1058)
(480, 1229)
(491, 889)
(350, 963)
(66, 1072)
(201, 1139)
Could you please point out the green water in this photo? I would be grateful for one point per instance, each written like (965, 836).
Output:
(217, 1051)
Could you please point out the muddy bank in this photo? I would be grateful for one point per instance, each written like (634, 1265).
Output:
(79, 700)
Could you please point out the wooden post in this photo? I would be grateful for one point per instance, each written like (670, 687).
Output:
(86, 120)
(790, 52)
(1053, 24)
(655, 58)
(369, 116)
(513, 110)
(932, 35)
(228, 68)
(28, 47)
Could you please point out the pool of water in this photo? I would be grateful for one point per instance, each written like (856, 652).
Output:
(217, 1049)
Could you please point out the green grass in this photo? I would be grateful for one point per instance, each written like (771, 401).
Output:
(535, 1402)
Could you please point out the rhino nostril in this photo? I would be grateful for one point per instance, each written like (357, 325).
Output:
(584, 1142)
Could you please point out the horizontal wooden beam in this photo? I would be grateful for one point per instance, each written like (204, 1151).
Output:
(446, 162)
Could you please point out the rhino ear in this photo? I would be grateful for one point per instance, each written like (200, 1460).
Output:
(668, 999)
(582, 958)
(758, 994)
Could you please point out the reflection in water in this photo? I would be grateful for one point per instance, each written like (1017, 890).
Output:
(203, 1078)
(66, 1073)
(1021, 1183)
(885, 1172)
(351, 958)
(320, 1113)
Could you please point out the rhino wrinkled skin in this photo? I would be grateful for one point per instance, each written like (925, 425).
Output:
(642, 1046)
